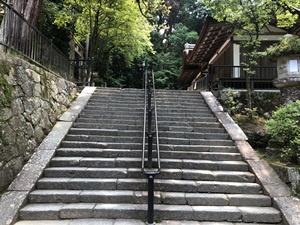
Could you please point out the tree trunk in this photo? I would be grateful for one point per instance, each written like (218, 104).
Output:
(30, 9)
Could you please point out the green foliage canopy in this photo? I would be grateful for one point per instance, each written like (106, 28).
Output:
(249, 17)
(109, 24)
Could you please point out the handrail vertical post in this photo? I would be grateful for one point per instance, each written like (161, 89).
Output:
(150, 200)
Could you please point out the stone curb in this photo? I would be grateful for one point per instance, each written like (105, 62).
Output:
(17, 193)
(78, 105)
(266, 176)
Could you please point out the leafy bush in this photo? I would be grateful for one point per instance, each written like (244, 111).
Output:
(230, 100)
(284, 128)
(289, 44)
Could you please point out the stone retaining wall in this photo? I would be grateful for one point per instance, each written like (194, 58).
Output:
(31, 99)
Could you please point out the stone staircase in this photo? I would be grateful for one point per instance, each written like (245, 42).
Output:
(96, 172)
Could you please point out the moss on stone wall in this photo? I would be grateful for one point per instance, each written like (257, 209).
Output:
(5, 88)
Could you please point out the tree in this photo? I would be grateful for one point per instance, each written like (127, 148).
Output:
(59, 37)
(249, 17)
(172, 31)
(30, 9)
(111, 26)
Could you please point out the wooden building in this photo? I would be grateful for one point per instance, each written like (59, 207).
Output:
(216, 60)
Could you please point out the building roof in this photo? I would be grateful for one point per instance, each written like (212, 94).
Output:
(213, 35)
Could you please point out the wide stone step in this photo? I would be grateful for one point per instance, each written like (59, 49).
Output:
(165, 163)
(103, 109)
(127, 222)
(187, 119)
(107, 153)
(88, 152)
(116, 112)
(183, 110)
(185, 141)
(97, 138)
(180, 174)
(54, 211)
(138, 133)
(162, 140)
(140, 197)
(110, 116)
(112, 145)
(120, 120)
(108, 104)
(187, 124)
(114, 101)
(108, 145)
(106, 132)
(198, 148)
(194, 135)
(191, 129)
(182, 105)
(108, 126)
(184, 114)
(140, 184)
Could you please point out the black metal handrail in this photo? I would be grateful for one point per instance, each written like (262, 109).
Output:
(150, 170)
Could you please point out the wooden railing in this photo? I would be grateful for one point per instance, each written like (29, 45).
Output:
(225, 76)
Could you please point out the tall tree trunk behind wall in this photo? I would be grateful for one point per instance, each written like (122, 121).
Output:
(30, 9)
(14, 32)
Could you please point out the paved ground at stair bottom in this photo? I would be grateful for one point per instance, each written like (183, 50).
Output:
(270, 187)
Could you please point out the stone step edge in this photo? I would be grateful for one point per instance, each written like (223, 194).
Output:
(212, 199)
(94, 210)
(125, 222)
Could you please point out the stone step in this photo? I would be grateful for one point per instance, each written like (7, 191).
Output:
(140, 197)
(185, 141)
(191, 129)
(182, 110)
(114, 101)
(128, 121)
(108, 126)
(110, 116)
(140, 184)
(187, 124)
(134, 104)
(135, 94)
(138, 133)
(205, 113)
(134, 146)
(108, 145)
(126, 222)
(101, 108)
(189, 119)
(162, 140)
(165, 163)
(116, 111)
(194, 135)
(106, 132)
(101, 138)
(80, 171)
(182, 105)
(107, 153)
(175, 100)
(197, 148)
(54, 211)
